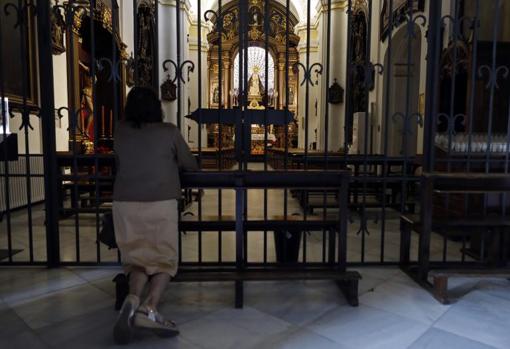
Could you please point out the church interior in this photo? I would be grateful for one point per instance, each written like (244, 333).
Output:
(330, 135)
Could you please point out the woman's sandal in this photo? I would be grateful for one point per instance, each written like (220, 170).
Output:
(149, 319)
(122, 328)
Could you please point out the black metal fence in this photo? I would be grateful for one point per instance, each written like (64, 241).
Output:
(385, 89)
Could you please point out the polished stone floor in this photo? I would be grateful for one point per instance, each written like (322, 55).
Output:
(73, 308)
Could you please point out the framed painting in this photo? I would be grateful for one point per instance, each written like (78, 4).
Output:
(18, 48)
(400, 9)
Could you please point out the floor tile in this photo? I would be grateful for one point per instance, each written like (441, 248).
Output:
(407, 301)
(63, 305)
(480, 317)
(366, 327)
(22, 285)
(94, 274)
(299, 338)
(495, 287)
(232, 328)
(296, 302)
(94, 330)
(10, 323)
(22, 340)
(437, 339)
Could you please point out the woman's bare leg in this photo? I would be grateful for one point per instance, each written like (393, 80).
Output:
(157, 286)
(137, 282)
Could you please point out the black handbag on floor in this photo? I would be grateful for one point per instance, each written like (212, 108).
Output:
(121, 289)
(107, 232)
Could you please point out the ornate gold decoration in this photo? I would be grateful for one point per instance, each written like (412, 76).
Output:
(254, 34)
(254, 104)
(102, 14)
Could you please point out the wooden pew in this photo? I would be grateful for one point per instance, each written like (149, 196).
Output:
(497, 227)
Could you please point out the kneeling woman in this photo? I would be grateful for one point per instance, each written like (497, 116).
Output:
(150, 155)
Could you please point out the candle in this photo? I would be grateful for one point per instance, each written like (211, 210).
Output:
(102, 122)
(111, 123)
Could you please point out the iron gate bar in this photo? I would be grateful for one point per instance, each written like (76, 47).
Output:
(116, 50)
(4, 150)
(49, 137)
(388, 69)
(23, 11)
(454, 77)
(494, 76)
(178, 54)
(431, 104)
(219, 26)
(92, 7)
(199, 131)
(75, 113)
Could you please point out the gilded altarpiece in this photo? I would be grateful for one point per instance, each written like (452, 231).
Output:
(229, 95)
(107, 45)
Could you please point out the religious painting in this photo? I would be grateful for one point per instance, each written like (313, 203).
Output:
(18, 54)
(400, 11)
(58, 28)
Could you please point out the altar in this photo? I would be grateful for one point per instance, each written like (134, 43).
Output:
(254, 77)
(245, 125)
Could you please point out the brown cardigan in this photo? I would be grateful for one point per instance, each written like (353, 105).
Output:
(148, 162)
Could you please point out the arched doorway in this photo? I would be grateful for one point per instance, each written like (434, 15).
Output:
(400, 126)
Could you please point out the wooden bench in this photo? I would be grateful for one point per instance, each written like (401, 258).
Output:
(455, 227)
(440, 279)
(346, 280)
(497, 227)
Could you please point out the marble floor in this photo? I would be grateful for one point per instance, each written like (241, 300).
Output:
(73, 308)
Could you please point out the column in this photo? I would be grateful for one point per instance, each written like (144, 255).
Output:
(168, 32)
(337, 70)
(195, 51)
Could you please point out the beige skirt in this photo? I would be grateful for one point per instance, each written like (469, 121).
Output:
(147, 235)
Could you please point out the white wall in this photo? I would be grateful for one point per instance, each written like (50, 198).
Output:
(61, 100)
(192, 86)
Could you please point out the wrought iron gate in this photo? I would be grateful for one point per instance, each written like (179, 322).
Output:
(384, 88)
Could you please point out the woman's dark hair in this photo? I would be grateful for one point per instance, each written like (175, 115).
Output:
(143, 106)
